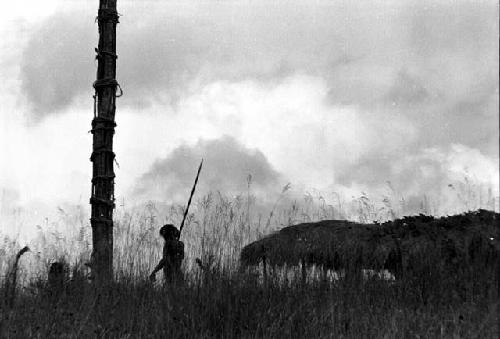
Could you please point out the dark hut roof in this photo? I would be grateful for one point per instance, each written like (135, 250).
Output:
(325, 241)
(339, 242)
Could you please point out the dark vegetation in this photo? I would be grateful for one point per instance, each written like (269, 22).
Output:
(449, 289)
(403, 246)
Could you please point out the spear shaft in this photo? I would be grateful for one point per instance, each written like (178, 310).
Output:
(190, 197)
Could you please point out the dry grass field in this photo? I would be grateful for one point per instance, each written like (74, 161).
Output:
(223, 301)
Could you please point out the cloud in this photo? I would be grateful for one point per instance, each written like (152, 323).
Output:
(435, 168)
(227, 165)
(57, 65)
(164, 49)
(362, 51)
(456, 177)
(330, 93)
(291, 122)
(431, 65)
(407, 90)
(435, 27)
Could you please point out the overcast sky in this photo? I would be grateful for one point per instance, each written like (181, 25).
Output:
(327, 95)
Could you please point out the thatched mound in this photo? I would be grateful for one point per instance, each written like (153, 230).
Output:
(397, 245)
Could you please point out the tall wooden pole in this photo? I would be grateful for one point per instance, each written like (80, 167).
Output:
(103, 128)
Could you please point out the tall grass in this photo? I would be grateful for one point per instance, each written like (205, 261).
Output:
(223, 302)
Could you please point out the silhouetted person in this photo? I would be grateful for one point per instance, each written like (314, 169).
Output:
(173, 254)
(56, 280)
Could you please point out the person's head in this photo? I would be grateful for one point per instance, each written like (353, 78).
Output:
(169, 232)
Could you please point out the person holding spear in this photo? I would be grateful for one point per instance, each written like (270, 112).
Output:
(173, 249)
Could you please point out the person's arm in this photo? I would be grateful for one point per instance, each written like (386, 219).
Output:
(181, 250)
(157, 268)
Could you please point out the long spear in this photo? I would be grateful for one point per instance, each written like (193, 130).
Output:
(190, 197)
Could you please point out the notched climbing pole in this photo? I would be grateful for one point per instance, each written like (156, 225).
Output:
(103, 128)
